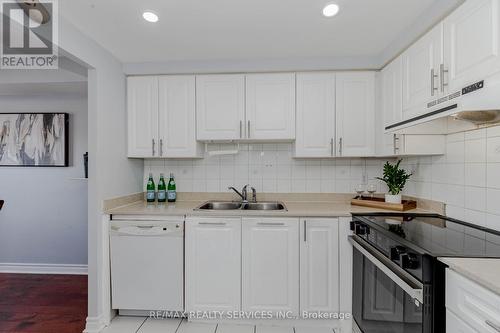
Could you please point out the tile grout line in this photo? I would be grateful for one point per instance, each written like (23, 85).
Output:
(139, 328)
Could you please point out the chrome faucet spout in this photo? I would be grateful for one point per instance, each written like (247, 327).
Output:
(243, 197)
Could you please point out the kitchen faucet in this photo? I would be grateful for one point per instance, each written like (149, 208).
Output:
(244, 193)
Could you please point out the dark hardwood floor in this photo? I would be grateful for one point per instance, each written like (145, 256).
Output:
(42, 303)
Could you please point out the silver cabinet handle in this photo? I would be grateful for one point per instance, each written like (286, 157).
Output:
(305, 231)
(340, 147)
(212, 223)
(404, 280)
(161, 147)
(248, 133)
(331, 147)
(433, 85)
(241, 128)
(442, 72)
(395, 142)
(493, 325)
(270, 223)
(153, 146)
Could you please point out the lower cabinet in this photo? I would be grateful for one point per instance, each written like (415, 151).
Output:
(319, 265)
(213, 264)
(270, 265)
(254, 264)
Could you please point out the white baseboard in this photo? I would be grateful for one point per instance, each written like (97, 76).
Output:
(94, 325)
(43, 269)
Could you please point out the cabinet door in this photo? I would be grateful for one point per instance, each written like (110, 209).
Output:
(270, 267)
(213, 264)
(142, 110)
(355, 114)
(420, 72)
(319, 265)
(177, 136)
(391, 105)
(220, 107)
(270, 106)
(392, 92)
(315, 115)
(471, 43)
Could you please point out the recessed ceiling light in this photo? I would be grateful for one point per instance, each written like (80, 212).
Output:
(150, 16)
(331, 10)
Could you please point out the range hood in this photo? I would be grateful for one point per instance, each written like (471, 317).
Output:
(474, 106)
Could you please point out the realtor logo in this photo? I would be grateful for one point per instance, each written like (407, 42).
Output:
(29, 34)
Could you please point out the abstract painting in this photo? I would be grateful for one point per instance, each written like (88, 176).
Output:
(34, 139)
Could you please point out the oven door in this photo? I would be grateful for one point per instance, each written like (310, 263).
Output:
(386, 299)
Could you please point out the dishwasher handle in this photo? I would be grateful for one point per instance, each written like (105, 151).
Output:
(145, 230)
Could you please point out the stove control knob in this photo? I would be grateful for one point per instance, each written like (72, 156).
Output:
(397, 251)
(409, 261)
(361, 229)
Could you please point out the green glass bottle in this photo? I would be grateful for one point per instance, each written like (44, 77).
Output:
(171, 189)
(150, 189)
(162, 189)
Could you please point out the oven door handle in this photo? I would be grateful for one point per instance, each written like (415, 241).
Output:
(405, 281)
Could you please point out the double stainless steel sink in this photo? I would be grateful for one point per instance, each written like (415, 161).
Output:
(233, 205)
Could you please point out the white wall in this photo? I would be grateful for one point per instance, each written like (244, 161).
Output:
(269, 168)
(467, 178)
(44, 219)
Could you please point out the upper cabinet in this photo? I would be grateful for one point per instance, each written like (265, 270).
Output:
(220, 107)
(461, 50)
(251, 107)
(420, 72)
(177, 114)
(392, 92)
(355, 114)
(161, 113)
(142, 109)
(315, 115)
(270, 106)
(471, 44)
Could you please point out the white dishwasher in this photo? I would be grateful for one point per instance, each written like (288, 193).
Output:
(147, 264)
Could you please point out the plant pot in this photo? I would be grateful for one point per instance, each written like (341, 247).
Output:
(391, 198)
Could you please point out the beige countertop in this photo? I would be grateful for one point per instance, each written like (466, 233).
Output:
(295, 209)
(485, 272)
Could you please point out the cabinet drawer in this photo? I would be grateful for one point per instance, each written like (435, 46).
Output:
(475, 305)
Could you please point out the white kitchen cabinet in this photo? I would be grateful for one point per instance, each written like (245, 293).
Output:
(392, 92)
(161, 117)
(472, 303)
(142, 110)
(471, 44)
(421, 63)
(315, 115)
(355, 113)
(389, 108)
(270, 264)
(177, 114)
(319, 265)
(457, 325)
(270, 106)
(213, 264)
(220, 107)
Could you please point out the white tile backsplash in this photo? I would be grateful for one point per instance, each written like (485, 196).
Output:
(466, 178)
(268, 168)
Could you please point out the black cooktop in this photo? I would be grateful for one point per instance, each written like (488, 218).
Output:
(436, 235)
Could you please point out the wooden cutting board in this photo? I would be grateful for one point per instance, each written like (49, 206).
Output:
(381, 204)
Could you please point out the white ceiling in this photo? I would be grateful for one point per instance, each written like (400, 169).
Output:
(237, 29)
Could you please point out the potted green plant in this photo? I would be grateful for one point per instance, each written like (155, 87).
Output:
(395, 178)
